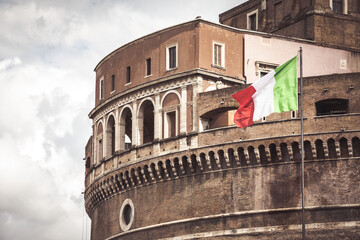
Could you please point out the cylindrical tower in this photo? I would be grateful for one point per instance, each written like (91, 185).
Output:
(166, 162)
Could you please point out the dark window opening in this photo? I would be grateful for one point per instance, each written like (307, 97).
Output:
(332, 148)
(242, 157)
(356, 146)
(111, 134)
(296, 151)
(127, 214)
(320, 153)
(308, 150)
(113, 83)
(148, 67)
(252, 155)
(213, 163)
(262, 153)
(284, 152)
(273, 153)
(128, 76)
(252, 22)
(148, 121)
(338, 6)
(171, 118)
(332, 106)
(101, 89)
(172, 57)
(344, 148)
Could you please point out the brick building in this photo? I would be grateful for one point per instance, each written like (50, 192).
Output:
(327, 22)
(165, 160)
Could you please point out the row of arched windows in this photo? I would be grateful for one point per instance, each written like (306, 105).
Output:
(137, 126)
(220, 160)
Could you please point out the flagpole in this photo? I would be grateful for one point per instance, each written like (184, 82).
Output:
(302, 150)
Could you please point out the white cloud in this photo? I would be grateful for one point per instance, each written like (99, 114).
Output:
(48, 50)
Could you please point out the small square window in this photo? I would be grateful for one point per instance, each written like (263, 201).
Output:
(128, 76)
(148, 67)
(113, 83)
(171, 57)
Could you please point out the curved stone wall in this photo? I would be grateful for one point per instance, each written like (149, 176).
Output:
(245, 185)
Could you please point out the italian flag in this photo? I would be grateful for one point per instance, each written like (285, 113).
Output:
(275, 92)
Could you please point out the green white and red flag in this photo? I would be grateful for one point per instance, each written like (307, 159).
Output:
(275, 92)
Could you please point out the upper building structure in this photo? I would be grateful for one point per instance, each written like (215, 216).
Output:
(165, 160)
(327, 22)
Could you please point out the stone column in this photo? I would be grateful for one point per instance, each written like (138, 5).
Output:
(157, 117)
(134, 130)
(117, 131)
(183, 111)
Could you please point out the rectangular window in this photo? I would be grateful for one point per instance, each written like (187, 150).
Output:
(252, 20)
(148, 67)
(171, 56)
(171, 124)
(101, 90)
(113, 83)
(338, 6)
(128, 76)
(218, 54)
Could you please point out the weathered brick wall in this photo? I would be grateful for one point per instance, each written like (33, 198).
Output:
(313, 20)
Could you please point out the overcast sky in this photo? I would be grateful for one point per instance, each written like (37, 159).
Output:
(48, 50)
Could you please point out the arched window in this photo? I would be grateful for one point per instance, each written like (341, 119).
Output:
(232, 159)
(252, 155)
(344, 149)
(263, 158)
(284, 152)
(331, 148)
(296, 151)
(186, 165)
(308, 151)
(273, 153)
(356, 146)
(146, 122)
(223, 164)
(125, 129)
(171, 116)
(213, 161)
(205, 167)
(194, 164)
(320, 153)
(332, 106)
(110, 136)
(242, 157)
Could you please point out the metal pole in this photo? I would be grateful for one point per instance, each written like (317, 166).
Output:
(302, 149)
